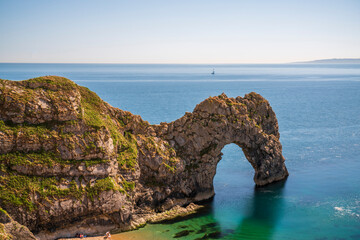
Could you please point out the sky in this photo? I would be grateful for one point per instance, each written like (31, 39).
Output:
(186, 31)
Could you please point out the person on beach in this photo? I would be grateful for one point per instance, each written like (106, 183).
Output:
(107, 235)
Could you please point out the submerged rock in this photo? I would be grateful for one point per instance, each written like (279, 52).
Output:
(210, 225)
(69, 162)
(213, 235)
(182, 233)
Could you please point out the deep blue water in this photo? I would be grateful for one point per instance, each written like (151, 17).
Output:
(318, 109)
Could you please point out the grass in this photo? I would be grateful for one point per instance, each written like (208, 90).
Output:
(229, 103)
(30, 159)
(112, 126)
(2, 211)
(101, 185)
(52, 83)
(40, 130)
(16, 190)
(48, 159)
(170, 168)
(91, 104)
(19, 190)
(128, 152)
(128, 186)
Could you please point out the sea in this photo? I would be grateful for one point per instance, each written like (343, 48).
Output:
(318, 110)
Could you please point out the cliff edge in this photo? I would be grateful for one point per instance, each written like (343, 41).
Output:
(69, 162)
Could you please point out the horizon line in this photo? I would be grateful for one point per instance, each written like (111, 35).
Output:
(189, 63)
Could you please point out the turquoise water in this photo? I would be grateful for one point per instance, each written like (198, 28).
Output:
(318, 109)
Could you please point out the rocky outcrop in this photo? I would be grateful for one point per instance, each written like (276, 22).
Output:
(10, 229)
(174, 213)
(70, 162)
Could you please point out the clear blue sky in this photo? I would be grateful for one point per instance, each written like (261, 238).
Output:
(186, 31)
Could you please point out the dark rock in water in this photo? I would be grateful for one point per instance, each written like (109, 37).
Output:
(183, 226)
(206, 227)
(183, 233)
(213, 235)
(216, 234)
(210, 225)
(202, 230)
(69, 160)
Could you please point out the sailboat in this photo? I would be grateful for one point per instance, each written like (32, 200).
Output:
(213, 72)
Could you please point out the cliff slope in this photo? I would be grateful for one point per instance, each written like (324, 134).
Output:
(69, 162)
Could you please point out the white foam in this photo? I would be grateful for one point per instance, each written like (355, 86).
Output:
(347, 211)
(339, 209)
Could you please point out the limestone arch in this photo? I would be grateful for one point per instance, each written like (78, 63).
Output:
(200, 136)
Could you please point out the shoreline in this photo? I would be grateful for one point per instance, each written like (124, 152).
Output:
(172, 214)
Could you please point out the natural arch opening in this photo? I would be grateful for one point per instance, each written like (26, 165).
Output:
(233, 186)
(233, 171)
(240, 208)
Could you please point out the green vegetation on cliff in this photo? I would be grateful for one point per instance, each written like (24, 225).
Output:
(40, 130)
(93, 122)
(21, 190)
(43, 159)
(54, 83)
(60, 143)
(100, 186)
(93, 113)
(92, 108)
(128, 152)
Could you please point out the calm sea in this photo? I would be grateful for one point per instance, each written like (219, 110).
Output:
(318, 109)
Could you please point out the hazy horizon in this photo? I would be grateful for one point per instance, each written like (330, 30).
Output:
(186, 32)
(306, 61)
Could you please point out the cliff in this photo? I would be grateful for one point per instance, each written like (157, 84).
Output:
(69, 162)
(10, 229)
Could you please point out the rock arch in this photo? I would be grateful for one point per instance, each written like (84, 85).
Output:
(199, 137)
(109, 168)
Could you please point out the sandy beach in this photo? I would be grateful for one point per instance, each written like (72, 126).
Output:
(132, 235)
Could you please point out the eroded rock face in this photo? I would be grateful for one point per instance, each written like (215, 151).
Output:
(10, 229)
(248, 122)
(70, 161)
